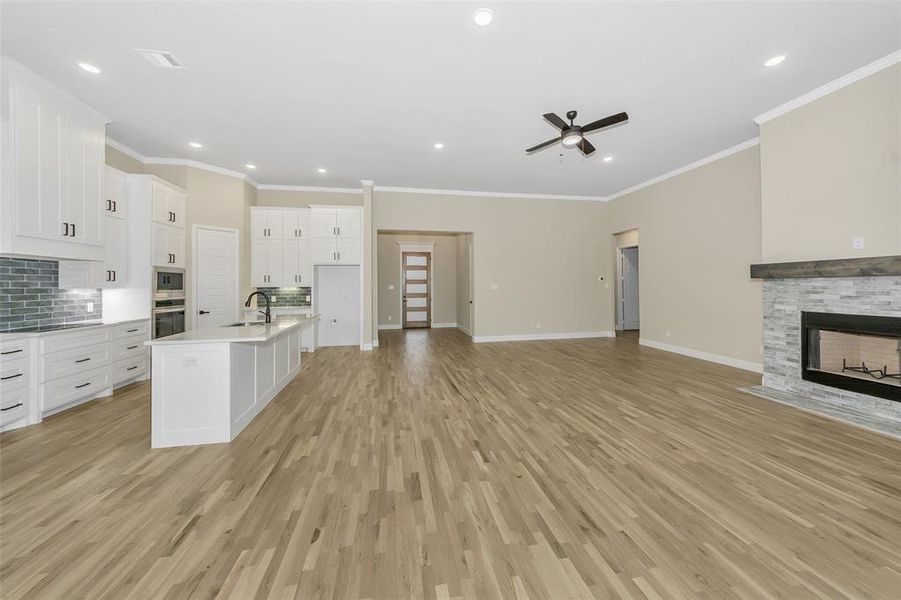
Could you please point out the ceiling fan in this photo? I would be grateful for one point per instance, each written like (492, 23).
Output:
(574, 135)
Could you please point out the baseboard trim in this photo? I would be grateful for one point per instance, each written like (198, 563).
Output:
(444, 325)
(531, 337)
(464, 329)
(745, 365)
(390, 326)
(375, 343)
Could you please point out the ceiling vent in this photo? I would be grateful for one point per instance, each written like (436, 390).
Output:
(160, 58)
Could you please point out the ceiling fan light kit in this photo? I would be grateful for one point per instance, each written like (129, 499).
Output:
(573, 136)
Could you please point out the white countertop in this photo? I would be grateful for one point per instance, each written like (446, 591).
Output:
(82, 326)
(255, 333)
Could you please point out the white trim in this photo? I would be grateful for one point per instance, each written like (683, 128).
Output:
(366, 347)
(416, 246)
(406, 190)
(837, 84)
(375, 343)
(128, 150)
(390, 326)
(464, 329)
(444, 325)
(308, 188)
(714, 358)
(689, 167)
(185, 162)
(542, 336)
(194, 256)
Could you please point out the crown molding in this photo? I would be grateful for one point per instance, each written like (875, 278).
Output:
(128, 150)
(837, 84)
(689, 167)
(185, 162)
(406, 190)
(309, 188)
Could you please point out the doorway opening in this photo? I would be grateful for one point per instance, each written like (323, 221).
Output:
(628, 305)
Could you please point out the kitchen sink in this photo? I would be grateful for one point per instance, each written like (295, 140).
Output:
(245, 324)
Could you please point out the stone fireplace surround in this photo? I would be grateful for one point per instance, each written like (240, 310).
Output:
(783, 301)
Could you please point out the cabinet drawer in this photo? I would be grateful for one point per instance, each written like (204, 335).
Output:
(14, 374)
(14, 349)
(70, 362)
(13, 405)
(129, 369)
(128, 330)
(127, 348)
(59, 392)
(68, 341)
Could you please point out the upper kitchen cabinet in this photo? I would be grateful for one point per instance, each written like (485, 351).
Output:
(267, 224)
(53, 162)
(337, 235)
(168, 205)
(115, 200)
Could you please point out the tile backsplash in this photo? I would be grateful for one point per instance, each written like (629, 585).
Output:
(299, 296)
(30, 296)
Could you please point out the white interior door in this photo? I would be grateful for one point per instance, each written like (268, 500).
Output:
(629, 305)
(215, 260)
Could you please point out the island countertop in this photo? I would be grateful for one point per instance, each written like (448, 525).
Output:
(262, 332)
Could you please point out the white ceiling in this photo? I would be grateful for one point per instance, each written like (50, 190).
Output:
(365, 89)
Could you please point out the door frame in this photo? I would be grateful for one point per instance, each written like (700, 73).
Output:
(192, 301)
(619, 322)
(425, 248)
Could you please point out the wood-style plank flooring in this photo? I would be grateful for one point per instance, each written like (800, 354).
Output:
(435, 468)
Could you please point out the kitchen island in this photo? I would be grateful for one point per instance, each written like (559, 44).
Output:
(207, 384)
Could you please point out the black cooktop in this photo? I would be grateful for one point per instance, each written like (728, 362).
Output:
(58, 326)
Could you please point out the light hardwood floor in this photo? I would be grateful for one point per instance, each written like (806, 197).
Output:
(435, 468)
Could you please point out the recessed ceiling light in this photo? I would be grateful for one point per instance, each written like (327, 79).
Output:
(89, 68)
(438, 145)
(250, 166)
(608, 158)
(195, 144)
(483, 17)
(772, 62)
(321, 170)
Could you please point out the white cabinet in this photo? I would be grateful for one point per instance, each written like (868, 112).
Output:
(168, 246)
(267, 260)
(266, 224)
(281, 247)
(115, 201)
(337, 235)
(53, 155)
(168, 205)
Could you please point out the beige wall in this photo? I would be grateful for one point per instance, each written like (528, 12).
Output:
(444, 276)
(300, 198)
(700, 232)
(830, 173)
(464, 282)
(544, 256)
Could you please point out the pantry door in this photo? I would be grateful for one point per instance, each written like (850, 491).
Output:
(416, 289)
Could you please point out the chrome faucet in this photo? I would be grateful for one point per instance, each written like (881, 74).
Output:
(267, 312)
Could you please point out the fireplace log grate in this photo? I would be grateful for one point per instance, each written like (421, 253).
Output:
(874, 373)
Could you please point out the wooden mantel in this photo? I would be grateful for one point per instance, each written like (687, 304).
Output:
(842, 267)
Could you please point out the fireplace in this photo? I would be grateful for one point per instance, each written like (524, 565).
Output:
(859, 353)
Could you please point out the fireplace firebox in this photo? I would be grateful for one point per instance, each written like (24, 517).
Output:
(860, 353)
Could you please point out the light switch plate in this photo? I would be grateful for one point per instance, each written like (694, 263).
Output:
(857, 243)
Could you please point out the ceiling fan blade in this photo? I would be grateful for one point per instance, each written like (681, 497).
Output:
(543, 145)
(586, 147)
(605, 122)
(556, 121)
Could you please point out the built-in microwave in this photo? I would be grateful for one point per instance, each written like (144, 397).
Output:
(168, 283)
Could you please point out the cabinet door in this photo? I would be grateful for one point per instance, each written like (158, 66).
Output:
(39, 164)
(349, 251)
(259, 224)
(276, 260)
(84, 202)
(177, 246)
(306, 262)
(177, 208)
(161, 256)
(325, 223)
(114, 199)
(160, 195)
(116, 244)
(350, 223)
(259, 263)
(292, 263)
(291, 224)
(274, 222)
(324, 250)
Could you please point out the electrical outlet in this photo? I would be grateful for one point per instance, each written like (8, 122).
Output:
(857, 243)
(390, 317)
(538, 325)
(669, 333)
(89, 307)
(391, 287)
(493, 286)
